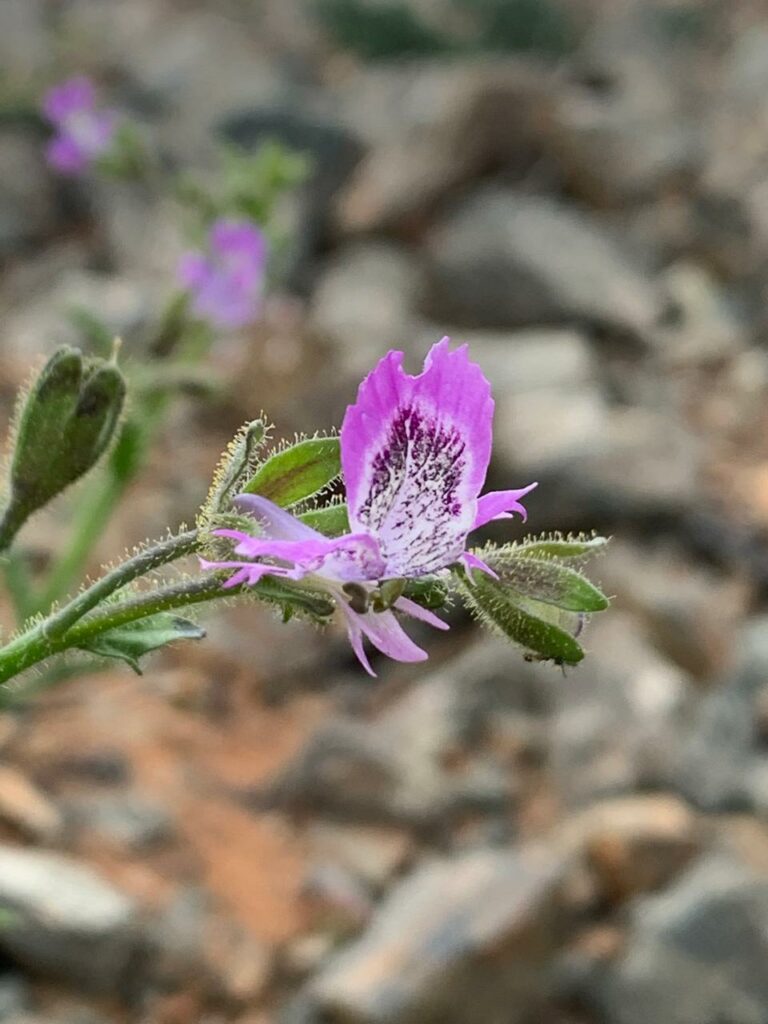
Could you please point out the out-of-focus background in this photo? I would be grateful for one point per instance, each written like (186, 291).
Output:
(254, 831)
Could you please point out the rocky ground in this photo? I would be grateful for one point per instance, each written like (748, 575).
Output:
(254, 832)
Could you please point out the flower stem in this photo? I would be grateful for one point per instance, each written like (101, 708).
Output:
(38, 644)
(50, 636)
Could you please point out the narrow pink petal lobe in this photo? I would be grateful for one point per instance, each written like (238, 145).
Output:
(384, 632)
(404, 604)
(414, 452)
(501, 505)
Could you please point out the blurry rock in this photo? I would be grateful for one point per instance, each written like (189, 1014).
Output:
(24, 41)
(372, 854)
(618, 719)
(507, 259)
(28, 212)
(633, 464)
(534, 360)
(690, 612)
(433, 127)
(419, 761)
(26, 808)
(704, 328)
(15, 997)
(365, 301)
(124, 820)
(634, 844)
(239, 967)
(694, 953)
(119, 303)
(619, 129)
(63, 920)
(337, 900)
(723, 761)
(459, 939)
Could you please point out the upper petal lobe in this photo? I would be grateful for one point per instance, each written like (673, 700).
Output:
(415, 451)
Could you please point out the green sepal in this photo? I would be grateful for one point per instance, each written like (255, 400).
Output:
(572, 548)
(428, 591)
(330, 520)
(298, 472)
(543, 632)
(130, 642)
(547, 581)
(64, 425)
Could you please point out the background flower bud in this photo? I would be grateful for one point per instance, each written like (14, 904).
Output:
(64, 424)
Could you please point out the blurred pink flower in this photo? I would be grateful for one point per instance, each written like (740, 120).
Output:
(414, 454)
(227, 281)
(83, 131)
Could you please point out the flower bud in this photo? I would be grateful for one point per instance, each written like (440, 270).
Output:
(63, 426)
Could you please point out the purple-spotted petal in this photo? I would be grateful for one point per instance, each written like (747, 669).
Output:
(501, 505)
(385, 633)
(414, 453)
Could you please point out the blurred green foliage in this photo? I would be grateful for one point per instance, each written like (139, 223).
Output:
(386, 29)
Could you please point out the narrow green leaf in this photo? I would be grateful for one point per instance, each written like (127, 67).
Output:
(130, 642)
(331, 521)
(298, 472)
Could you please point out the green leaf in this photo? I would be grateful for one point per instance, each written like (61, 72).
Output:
(561, 547)
(546, 580)
(128, 643)
(331, 521)
(540, 629)
(299, 472)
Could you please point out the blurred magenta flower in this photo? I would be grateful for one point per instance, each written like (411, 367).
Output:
(414, 455)
(227, 282)
(84, 132)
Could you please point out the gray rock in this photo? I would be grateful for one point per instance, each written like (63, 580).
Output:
(508, 259)
(629, 464)
(28, 211)
(15, 997)
(397, 768)
(63, 920)
(723, 762)
(691, 613)
(126, 820)
(695, 953)
(459, 939)
(617, 722)
(433, 126)
(365, 301)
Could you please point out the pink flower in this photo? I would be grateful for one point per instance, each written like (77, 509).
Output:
(414, 453)
(83, 132)
(227, 282)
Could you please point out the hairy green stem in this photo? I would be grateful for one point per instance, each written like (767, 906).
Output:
(38, 644)
(47, 636)
(142, 563)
